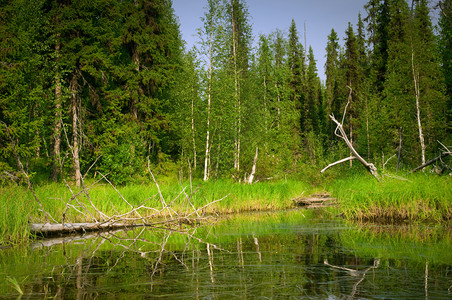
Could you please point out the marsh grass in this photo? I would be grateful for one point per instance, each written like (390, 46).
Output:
(423, 197)
(18, 208)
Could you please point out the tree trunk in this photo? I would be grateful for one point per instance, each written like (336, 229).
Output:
(193, 129)
(418, 107)
(209, 95)
(253, 170)
(238, 105)
(367, 130)
(75, 133)
(136, 62)
(58, 122)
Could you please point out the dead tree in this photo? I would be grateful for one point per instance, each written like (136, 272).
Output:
(443, 154)
(340, 132)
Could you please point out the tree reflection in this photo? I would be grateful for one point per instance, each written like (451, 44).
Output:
(230, 259)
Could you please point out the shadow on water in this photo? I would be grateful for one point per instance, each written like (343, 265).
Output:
(291, 254)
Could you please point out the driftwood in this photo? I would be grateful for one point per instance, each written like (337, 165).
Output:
(315, 201)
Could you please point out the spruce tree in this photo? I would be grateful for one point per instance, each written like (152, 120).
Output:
(445, 50)
(427, 75)
(332, 74)
(297, 74)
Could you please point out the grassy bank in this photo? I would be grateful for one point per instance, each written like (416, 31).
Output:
(423, 197)
(18, 207)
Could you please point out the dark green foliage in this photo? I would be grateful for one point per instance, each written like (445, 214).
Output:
(109, 82)
(114, 63)
(445, 51)
(296, 61)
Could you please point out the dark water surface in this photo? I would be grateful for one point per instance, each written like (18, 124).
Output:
(283, 255)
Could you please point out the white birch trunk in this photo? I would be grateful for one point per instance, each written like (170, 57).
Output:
(253, 170)
(237, 94)
(209, 95)
(418, 106)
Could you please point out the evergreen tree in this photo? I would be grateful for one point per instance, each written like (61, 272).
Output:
(445, 50)
(26, 63)
(297, 73)
(312, 95)
(378, 20)
(332, 74)
(353, 77)
(429, 90)
(287, 140)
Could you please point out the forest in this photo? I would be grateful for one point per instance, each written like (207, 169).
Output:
(107, 88)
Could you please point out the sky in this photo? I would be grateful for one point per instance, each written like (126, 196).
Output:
(320, 16)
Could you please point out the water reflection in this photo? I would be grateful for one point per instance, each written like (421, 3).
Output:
(266, 256)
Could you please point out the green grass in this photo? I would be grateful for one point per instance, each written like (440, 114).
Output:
(18, 207)
(423, 197)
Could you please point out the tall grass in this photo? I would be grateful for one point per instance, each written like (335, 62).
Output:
(18, 208)
(423, 197)
(15, 208)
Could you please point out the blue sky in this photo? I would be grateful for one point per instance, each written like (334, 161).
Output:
(320, 17)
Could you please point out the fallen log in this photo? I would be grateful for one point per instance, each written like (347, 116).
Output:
(444, 154)
(65, 228)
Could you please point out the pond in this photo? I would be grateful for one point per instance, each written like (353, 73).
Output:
(289, 254)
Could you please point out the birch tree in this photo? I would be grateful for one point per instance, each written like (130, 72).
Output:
(211, 42)
(240, 38)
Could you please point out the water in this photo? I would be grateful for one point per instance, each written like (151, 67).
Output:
(292, 254)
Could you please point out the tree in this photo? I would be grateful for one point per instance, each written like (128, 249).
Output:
(427, 80)
(188, 108)
(25, 65)
(381, 14)
(445, 50)
(297, 73)
(240, 38)
(414, 92)
(332, 74)
(103, 72)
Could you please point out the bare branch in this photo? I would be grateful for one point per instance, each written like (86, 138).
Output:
(337, 162)
(369, 166)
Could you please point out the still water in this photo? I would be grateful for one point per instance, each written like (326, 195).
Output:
(292, 254)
